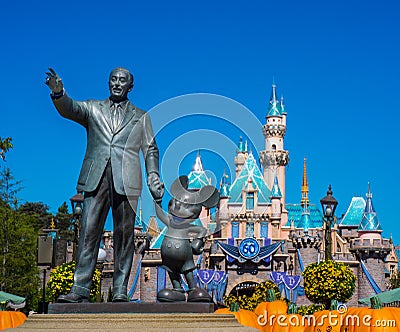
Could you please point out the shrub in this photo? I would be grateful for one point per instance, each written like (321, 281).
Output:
(328, 280)
(62, 278)
(259, 295)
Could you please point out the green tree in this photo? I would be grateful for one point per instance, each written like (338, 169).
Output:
(5, 145)
(18, 242)
(41, 217)
(328, 280)
(394, 281)
(63, 221)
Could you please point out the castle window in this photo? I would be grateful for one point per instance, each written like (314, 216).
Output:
(250, 201)
(264, 229)
(235, 229)
(274, 147)
(249, 229)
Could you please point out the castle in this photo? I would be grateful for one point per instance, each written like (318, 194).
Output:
(255, 235)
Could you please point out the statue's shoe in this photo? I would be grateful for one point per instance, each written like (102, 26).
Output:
(199, 295)
(171, 295)
(120, 298)
(71, 298)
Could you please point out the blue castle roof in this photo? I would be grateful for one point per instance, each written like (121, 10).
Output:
(295, 214)
(354, 212)
(305, 220)
(249, 174)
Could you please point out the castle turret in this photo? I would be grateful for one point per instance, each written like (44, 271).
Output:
(241, 155)
(274, 158)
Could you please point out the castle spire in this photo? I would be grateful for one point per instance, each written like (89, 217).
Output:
(198, 165)
(369, 222)
(282, 106)
(304, 187)
(198, 177)
(274, 104)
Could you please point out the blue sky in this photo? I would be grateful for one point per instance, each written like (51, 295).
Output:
(335, 62)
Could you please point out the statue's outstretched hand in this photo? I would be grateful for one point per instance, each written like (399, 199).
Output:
(53, 81)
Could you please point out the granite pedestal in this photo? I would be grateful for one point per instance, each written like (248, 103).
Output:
(132, 317)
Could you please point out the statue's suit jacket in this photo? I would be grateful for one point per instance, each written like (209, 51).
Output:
(121, 146)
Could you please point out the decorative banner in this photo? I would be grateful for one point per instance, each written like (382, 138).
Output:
(221, 287)
(218, 276)
(291, 282)
(231, 241)
(277, 277)
(161, 278)
(267, 242)
(206, 276)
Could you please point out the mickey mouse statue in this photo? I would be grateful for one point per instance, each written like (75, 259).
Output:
(177, 249)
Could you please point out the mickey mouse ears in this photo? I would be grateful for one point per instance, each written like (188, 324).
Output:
(207, 196)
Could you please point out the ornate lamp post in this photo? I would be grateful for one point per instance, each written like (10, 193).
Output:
(77, 208)
(329, 204)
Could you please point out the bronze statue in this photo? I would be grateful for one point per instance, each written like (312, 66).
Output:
(177, 248)
(110, 176)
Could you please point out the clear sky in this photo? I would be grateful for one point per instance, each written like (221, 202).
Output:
(335, 62)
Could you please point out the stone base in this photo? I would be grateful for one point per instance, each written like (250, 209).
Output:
(133, 322)
(131, 307)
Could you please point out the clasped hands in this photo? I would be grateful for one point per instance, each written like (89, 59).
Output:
(156, 187)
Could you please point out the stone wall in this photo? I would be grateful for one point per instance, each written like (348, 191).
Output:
(376, 269)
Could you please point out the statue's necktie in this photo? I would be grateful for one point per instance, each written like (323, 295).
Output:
(116, 114)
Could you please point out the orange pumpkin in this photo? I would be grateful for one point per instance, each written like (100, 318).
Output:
(10, 319)
(244, 317)
(375, 318)
(325, 320)
(272, 306)
(290, 322)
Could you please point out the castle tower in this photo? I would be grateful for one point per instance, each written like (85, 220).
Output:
(241, 155)
(274, 158)
(223, 209)
(304, 187)
(371, 250)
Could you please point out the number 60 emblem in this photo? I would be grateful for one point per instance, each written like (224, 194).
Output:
(249, 248)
